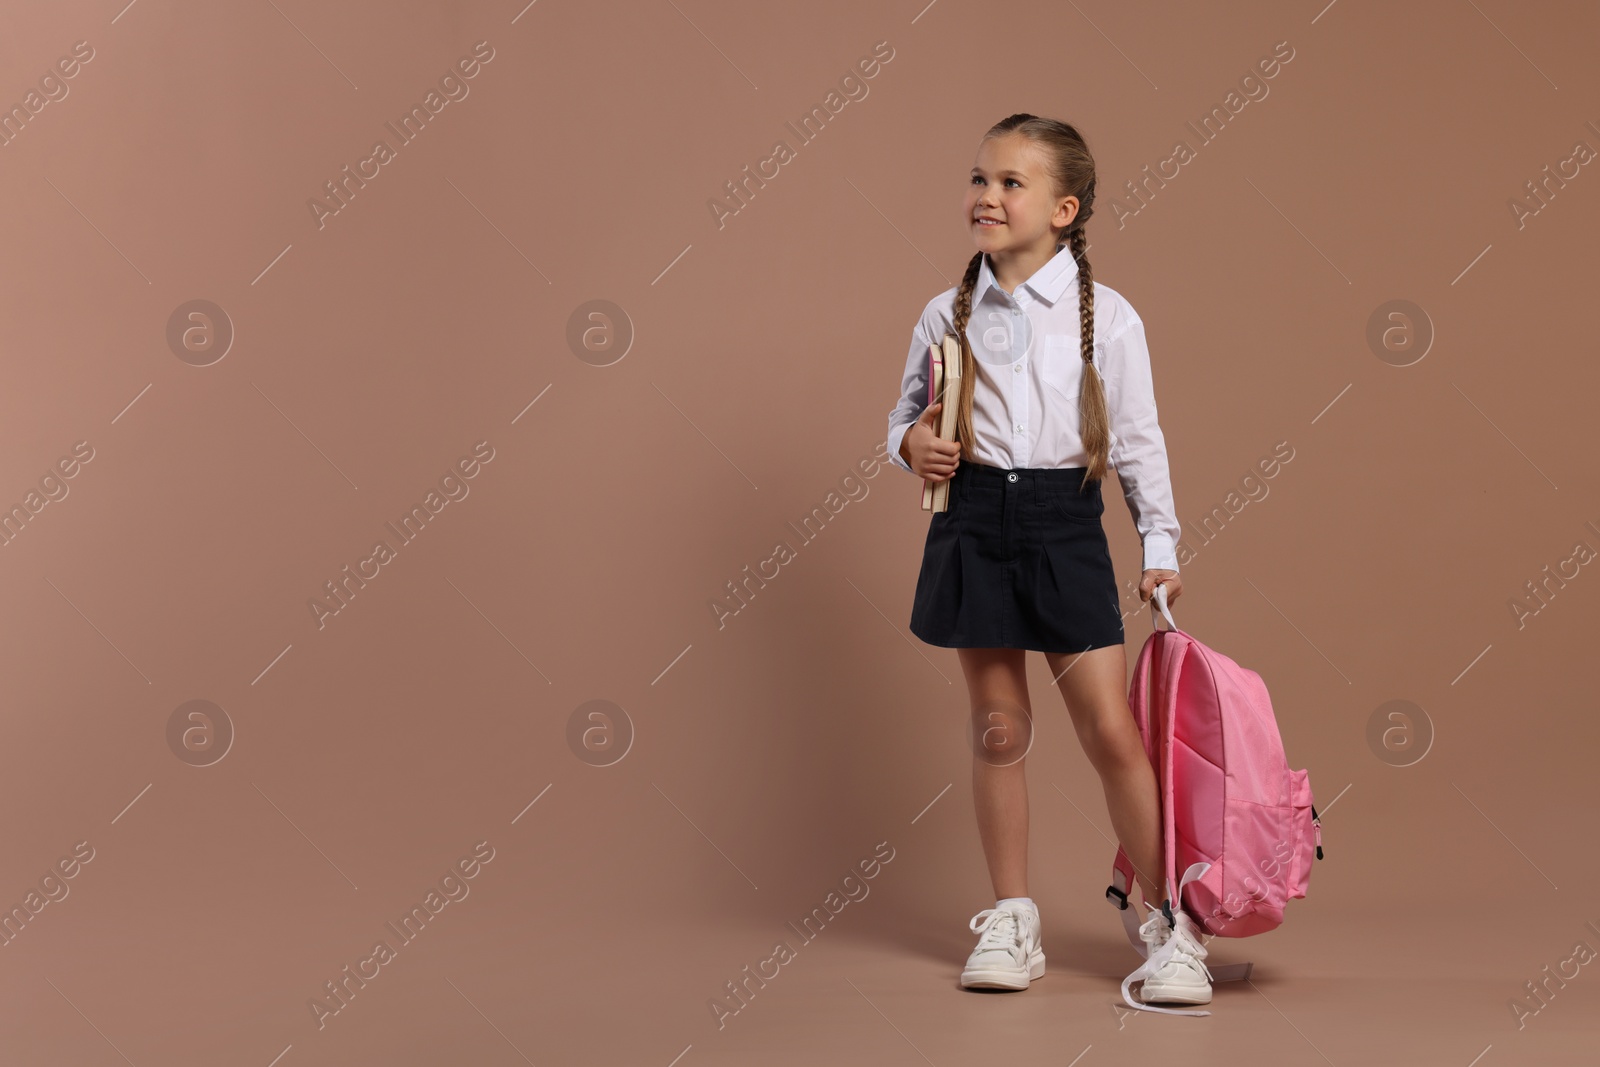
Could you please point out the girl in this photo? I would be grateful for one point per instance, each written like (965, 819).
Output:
(1055, 387)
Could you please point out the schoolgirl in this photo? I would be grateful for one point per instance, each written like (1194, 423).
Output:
(1056, 387)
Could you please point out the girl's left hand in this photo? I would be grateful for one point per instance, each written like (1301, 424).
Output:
(1153, 578)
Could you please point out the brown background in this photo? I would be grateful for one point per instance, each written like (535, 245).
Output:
(771, 754)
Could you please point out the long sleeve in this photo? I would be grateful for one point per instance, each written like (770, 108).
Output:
(1139, 450)
(913, 396)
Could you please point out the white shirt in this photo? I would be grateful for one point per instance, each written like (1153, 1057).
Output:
(1028, 355)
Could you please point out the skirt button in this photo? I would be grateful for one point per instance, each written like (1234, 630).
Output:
(1012, 476)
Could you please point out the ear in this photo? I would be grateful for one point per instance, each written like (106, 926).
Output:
(1066, 211)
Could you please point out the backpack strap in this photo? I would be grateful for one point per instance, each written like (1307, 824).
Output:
(1122, 871)
(1172, 663)
(1139, 700)
(1155, 655)
(1159, 601)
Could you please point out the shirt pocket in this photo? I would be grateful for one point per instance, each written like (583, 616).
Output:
(1063, 365)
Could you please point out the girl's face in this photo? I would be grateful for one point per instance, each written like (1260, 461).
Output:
(1009, 184)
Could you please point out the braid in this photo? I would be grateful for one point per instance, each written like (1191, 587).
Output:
(1094, 420)
(969, 370)
(1072, 169)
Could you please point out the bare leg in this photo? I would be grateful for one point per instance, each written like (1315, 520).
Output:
(1002, 730)
(1094, 685)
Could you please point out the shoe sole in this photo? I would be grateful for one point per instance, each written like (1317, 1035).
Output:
(992, 979)
(1174, 994)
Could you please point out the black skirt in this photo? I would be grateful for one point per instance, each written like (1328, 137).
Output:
(1019, 559)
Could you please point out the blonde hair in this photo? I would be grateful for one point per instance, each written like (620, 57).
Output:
(1071, 170)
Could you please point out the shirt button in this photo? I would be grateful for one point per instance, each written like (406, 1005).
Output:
(1020, 427)
(1017, 369)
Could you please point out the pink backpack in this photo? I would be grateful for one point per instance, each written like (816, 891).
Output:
(1238, 822)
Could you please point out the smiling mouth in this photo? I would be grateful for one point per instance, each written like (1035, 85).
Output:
(987, 222)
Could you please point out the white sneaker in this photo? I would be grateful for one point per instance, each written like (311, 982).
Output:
(1183, 978)
(1009, 954)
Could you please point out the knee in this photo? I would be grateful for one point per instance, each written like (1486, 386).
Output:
(1001, 732)
(1111, 749)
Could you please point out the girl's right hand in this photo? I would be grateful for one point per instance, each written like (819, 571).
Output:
(930, 455)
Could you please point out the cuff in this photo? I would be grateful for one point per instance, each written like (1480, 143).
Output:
(1159, 553)
(896, 436)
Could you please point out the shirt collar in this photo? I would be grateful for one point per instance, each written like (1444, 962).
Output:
(1047, 283)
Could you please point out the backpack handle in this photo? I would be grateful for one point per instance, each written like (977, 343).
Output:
(1159, 600)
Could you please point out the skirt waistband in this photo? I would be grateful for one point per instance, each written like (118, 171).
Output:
(1044, 477)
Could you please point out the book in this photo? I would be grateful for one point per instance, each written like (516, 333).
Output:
(935, 388)
(944, 381)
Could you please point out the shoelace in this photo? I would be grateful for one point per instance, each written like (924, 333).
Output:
(1154, 932)
(1178, 942)
(998, 927)
(1184, 946)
